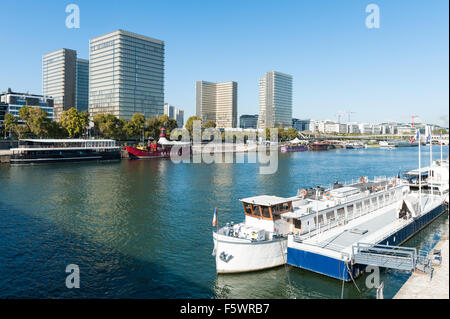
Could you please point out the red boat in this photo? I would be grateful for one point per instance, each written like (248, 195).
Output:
(319, 146)
(162, 149)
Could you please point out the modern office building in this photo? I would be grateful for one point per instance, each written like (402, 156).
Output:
(248, 121)
(175, 114)
(179, 117)
(3, 109)
(82, 85)
(169, 110)
(126, 75)
(275, 100)
(14, 102)
(58, 79)
(301, 125)
(217, 102)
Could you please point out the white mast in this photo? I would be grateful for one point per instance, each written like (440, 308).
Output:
(420, 175)
(431, 162)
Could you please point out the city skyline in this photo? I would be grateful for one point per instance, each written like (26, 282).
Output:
(385, 74)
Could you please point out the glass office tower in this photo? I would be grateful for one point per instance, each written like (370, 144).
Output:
(126, 75)
(275, 100)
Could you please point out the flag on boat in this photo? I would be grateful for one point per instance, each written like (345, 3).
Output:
(415, 137)
(215, 217)
(429, 134)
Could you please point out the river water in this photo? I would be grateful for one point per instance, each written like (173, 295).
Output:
(142, 229)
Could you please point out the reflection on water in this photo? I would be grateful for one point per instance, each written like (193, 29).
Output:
(143, 228)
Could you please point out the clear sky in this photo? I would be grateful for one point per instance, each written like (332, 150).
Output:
(338, 64)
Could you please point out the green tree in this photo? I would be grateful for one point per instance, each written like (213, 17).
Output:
(152, 128)
(291, 133)
(74, 122)
(190, 123)
(35, 119)
(209, 124)
(10, 123)
(109, 126)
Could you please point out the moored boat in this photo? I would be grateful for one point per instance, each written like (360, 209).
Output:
(161, 149)
(45, 151)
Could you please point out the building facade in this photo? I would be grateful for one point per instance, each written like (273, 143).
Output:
(126, 75)
(13, 102)
(179, 117)
(301, 125)
(174, 113)
(82, 85)
(248, 121)
(58, 79)
(275, 100)
(217, 102)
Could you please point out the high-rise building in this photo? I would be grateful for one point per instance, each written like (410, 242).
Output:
(175, 114)
(248, 121)
(82, 85)
(58, 79)
(169, 110)
(126, 75)
(217, 102)
(179, 117)
(275, 100)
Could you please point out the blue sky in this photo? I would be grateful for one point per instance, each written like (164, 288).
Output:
(390, 73)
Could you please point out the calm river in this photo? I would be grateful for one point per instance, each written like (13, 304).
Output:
(142, 229)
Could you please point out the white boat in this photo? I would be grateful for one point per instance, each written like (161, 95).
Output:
(260, 242)
(257, 243)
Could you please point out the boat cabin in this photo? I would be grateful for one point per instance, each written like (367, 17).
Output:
(266, 207)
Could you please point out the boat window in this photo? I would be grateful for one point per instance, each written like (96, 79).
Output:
(367, 203)
(248, 208)
(374, 201)
(358, 206)
(320, 220)
(297, 223)
(265, 211)
(330, 216)
(350, 208)
(256, 211)
(341, 213)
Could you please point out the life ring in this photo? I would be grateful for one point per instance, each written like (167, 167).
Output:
(363, 180)
(328, 195)
(302, 192)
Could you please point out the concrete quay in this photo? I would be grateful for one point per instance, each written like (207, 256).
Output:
(419, 285)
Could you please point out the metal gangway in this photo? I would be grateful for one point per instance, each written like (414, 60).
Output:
(395, 257)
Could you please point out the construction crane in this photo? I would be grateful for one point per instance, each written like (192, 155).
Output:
(339, 115)
(349, 113)
(413, 118)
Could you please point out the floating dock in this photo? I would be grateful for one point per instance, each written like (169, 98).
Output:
(344, 252)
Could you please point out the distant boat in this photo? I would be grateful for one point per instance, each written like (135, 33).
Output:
(294, 146)
(162, 149)
(351, 146)
(320, 146)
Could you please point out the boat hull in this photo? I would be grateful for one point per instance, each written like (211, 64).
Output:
(235, 255)
(65, 157)
(136, 153)
(294, 148)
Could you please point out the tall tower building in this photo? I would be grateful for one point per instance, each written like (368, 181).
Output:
(217, 102)
(82, 85)
(58, 79)
(126, 75)
(275, 100)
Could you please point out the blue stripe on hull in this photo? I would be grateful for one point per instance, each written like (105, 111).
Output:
(336, 268)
